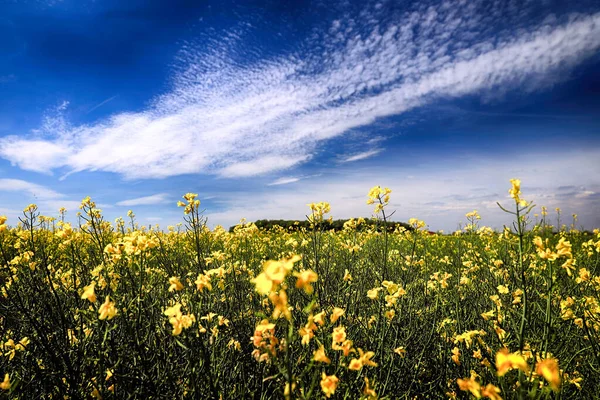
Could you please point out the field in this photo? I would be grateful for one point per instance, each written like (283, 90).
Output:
(114, 310)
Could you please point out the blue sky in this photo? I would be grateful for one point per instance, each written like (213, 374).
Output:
(264, 106)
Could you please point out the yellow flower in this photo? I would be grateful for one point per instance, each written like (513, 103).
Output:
(30, 208)
(355, 364)
(336, 314)
(365, 358)
(506, 361)
(328, 384)
(280, 305)
(515, 190)
(563, 248)
(548, 368)
(339, 334)
(456, 355)
(470, 385)
(307, 331)
(401, 351)
(5, 385)
(320, 356)
(175, 284)
(347, 276)
(202, 282)
(274, 272)
(368, 391)
(88, 292)
(373, 293)
(319, 318)
(390, 314)
(178, 320)
(488, 315)
(305, 278)
(491, 392)
(190, 196)
(107, 310)
(263, 284)
(345, 348)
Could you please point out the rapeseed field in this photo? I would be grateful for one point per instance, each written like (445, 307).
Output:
(97, 309)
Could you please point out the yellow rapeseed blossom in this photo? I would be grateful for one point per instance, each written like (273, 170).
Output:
(364, 359)
(470, 385)
(320, 356)
(88, 292)
(304, 280)
(368, 391)
(203, 282)
(5, 384)
(318, 211)
(355, 365)
(505, 361)
(456, 355)
(178, 320)
(107, 309)
(515, 190)
(338, 335)
(401, 351)
(319, 318)
(491, 392)
(274, 272)
(347, 276)
(502, 289)
(328, 384)
(336, 314)
(548, 368)
(175, 284)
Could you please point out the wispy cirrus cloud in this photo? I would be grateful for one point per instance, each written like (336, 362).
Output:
(284, 180)
(48, 200)
(361, 156)
(33, 189)
(230, 119)
(159, 198)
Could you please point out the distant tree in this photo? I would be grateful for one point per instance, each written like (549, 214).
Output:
(336, 225)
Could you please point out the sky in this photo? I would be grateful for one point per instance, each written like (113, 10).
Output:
(262, 107)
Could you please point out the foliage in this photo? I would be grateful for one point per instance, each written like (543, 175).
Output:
(117, 311)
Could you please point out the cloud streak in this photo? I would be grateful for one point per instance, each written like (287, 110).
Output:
(35, 190)
(235, 120)
(361, 156)
(159, 198)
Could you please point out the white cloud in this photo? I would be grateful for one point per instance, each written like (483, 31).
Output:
(159, 198)
(440, 195)
(48, 201)
(35, 190)
(237, 121)
(284, 181)
(361, 156)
